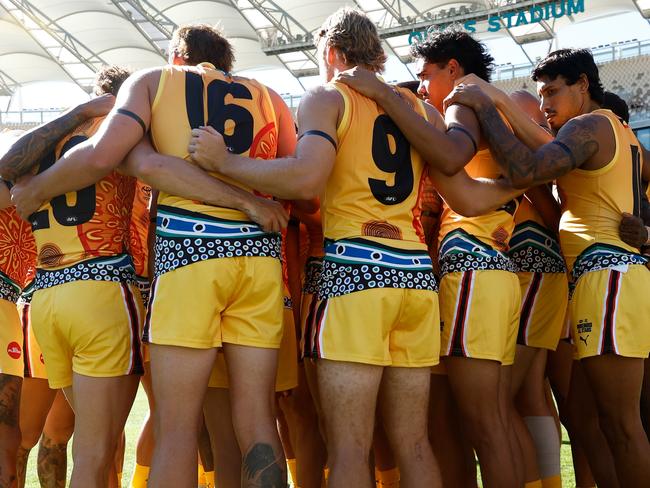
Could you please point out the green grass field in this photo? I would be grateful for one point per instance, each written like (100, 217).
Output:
(139, 412)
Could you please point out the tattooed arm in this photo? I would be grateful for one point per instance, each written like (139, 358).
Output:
(31, 147)
(576, 143)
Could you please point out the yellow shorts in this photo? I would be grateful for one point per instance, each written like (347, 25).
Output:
(381, 326)
(544, 298)
(202, 305)
(610, 313)
(480, 314)
(90, 328)
(287, 375)
(33, 357)
(11, 340)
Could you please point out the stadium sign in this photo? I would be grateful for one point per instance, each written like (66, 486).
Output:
(532, 15)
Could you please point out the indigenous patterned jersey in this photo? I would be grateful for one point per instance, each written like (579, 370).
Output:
(477, 242)
(241, 110)
(533, 247)
(81, 235)
(139, 230)
(17, 254)
(593, 201)
(371, 204)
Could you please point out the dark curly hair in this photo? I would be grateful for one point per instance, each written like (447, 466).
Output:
(570, 64)
(109, 79)
(198, 43)
(440, 47)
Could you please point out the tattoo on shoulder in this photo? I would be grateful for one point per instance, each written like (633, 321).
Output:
(263, 468)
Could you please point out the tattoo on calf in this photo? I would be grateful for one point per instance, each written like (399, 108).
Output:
(52, 463)
(21, 465)
(9, 400)
(263, 468)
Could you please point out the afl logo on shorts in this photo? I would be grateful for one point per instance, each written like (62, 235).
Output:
(14, 350)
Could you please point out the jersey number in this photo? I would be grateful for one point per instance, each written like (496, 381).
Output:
(240, 138)
(391, 153)
(67, 215)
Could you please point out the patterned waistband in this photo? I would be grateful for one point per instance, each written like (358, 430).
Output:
(535, 249)
(114, 268)
(28, 292)
(604, 256)
(9, 290)
(460, 251)
(182, 239)
(313, 270)
(357, 264)
(144, 286)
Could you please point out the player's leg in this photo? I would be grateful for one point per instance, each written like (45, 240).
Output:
(101, 407)
(206, 458)
(533, 407)
(406, 424)
(616, 383)
(179, 379)
(521, 445)
(52, 448)
(251, 375)
(348, 394)
(10, 386)
(475, 384)
(36, 400)
(386, 470)
(448, 440)
(584, 425)
(218, 420)
(645, 397)
(145, 445)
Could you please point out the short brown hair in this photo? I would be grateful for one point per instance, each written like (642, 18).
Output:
(109, 79)
(355, 36)
(199, 43)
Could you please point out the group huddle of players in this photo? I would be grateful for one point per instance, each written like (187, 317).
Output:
(383, 298)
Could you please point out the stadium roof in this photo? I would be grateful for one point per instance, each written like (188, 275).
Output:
(67, 40)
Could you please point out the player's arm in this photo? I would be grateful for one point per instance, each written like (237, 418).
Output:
(292, 254)
(95, 158)
(449, 150)
(546, 205)
(465, 195)
(287, 143)
(529, 131)
(178, 177)
(30, 148)
(575, 144)
(302, 176)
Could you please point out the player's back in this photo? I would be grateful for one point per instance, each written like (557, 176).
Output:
(240, 109)
(17, 254)
(593, 200)
(86, 227)
(374, 188)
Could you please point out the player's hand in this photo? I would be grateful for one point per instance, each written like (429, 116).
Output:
(267, 213)
(207, 148)
(97, 107)
(25, 196)
(469, 95)
(490, 90)
(632, 231)
(364, 81)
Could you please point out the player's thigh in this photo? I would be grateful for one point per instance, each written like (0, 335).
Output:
(35, 402)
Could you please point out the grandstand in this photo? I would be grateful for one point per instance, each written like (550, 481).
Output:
(63, 41)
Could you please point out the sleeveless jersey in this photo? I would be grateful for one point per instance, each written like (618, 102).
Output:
(139, 229)
(593, 201)
(533, 247)
(477, 242)
(242, 111)
(374, 188)
(82, 234)
(17, 254)
(371, 204)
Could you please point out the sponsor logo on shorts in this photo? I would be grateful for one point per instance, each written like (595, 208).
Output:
(14, 350)
(584, 339)
(584, 326)
(42, 360)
